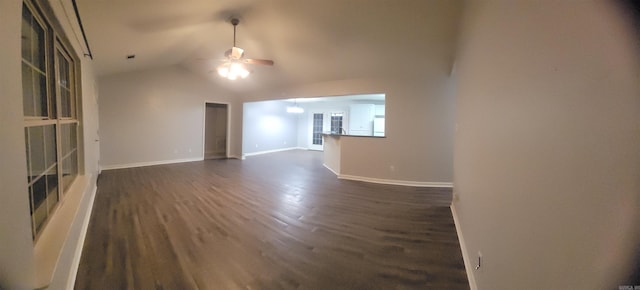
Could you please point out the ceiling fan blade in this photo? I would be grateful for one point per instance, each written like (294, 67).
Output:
(259, 61)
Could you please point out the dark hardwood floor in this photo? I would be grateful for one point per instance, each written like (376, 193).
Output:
(275, 221)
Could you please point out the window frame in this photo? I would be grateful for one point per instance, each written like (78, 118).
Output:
(55, 44)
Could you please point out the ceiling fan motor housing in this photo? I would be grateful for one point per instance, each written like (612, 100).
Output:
(236, 52)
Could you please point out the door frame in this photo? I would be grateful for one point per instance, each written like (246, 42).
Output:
(204, 127)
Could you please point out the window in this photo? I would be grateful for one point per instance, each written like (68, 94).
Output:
(336, 123)
(50, 112)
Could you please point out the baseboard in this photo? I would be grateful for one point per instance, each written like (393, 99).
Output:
(150, 163)
(272, 151)
(465, 254)
(75, 264)
(395, 182)
(327, 167)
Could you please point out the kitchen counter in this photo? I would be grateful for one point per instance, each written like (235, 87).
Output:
(347, 135)
(333, 151)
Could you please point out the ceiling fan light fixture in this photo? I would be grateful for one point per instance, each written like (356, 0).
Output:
(235, 65)
(223, 70)
(233, 70)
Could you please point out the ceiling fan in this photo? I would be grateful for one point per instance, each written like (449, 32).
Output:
(234, 65)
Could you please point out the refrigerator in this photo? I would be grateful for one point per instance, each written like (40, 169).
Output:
(378, 127)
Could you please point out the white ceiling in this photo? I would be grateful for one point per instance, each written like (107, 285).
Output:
(309, 40)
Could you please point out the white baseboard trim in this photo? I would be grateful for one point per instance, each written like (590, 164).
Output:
(272, 151)
(75, 264)
(463, 246)
(395, 182)
(327, 167)
(149, 163)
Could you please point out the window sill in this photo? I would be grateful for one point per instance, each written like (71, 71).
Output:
(56, 234)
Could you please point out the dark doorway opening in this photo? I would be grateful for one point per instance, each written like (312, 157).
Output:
(216, 121)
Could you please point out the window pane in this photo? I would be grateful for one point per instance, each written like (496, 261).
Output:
(34, 92)
(39, 195)
(27, 91)
(34, 81)
(37, 151)
(64, 86)
(65, 103)
(38, 45)
(31, 200)
(41, 146)
(63, 70)
(69, 141)
(26, 142)
(336, 123)
(50, 145)
(26, 33)
(40, 94)
(68, 138)
(52, 188)
(69, 169)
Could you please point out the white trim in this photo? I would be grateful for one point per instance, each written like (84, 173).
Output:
(272, 151)
(75, 263)
(149, 163)
(395, 182)
(463, 247)
(327, 167)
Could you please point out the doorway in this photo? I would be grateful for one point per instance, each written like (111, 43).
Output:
(216, 120)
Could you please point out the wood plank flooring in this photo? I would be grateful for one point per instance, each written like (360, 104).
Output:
(274, 221)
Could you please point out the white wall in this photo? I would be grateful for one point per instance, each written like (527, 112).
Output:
(158, 115)
(547, 159)
(267, 126)
(16, 253)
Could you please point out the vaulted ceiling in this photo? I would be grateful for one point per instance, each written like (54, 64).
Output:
(310, 41)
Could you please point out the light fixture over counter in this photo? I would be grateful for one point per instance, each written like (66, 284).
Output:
(295, 109)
